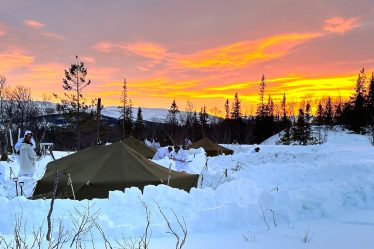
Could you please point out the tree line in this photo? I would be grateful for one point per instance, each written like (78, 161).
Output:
(77, 127)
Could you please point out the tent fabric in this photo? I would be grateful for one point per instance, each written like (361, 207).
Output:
(140, 147)
(211, 148)
(97, 170)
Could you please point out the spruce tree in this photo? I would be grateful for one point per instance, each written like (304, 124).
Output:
(236, 109)
(139, 123)
(261, 106)
(320, 114)
(123, 108)
(301, 131)
(308, 114)
(328, 113)
(172, 114)
(338, 111)
(227, 109)
(285, 123)
(2, 95)
(127, 119)
(270, 107)
(203, 117)
(357, 116)
(264, 121)
(370, 99)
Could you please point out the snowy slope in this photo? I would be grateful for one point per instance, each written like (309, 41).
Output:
(149, 114)
(268, 199)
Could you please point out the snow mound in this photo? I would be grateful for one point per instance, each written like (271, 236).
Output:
(287, 184)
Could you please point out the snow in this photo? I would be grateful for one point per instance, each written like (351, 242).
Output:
(149, 114)
(268, 199)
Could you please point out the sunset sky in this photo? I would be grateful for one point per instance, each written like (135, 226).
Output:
(201, 51)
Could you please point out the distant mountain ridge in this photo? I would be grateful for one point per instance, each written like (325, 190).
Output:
(149, 114)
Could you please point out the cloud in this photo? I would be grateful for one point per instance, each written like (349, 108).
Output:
(246, 85)
(241, 54)
(105, 47)
(34, 24)
(52, 35)
(13, 60)
(340, 25)
(144, 49)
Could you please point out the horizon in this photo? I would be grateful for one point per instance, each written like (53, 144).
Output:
(202, 52)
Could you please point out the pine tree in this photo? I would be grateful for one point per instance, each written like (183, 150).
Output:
(2, 94)
(127, 119)
(338, 112)
(286, 123)
(236, 109)
(227, 109)
(124, 107)
(328, 113)
(270, 107)
(172, 114)
(139, 123)
(72, 105)
(357, 115)
(261, 108)
(308, 114)
(284, 107)
(360, 84)
(203, 116)
(264, 121)
(370, 98)
(301, 132)
(320, 114)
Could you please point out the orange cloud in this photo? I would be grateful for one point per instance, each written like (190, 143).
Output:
(34, 24)
(146, 49)
(340, 25)
(13, 60)
(247, 84)
(240, 54)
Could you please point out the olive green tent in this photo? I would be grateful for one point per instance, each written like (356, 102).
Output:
(211, 148)
(140, 147)
(97, 170)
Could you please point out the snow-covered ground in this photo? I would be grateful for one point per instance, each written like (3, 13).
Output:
(269, 199)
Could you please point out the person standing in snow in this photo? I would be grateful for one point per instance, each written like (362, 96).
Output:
(17, 147)
(27, 157)
(180, 158)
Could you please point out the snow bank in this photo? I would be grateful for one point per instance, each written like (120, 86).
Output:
(282, 184)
